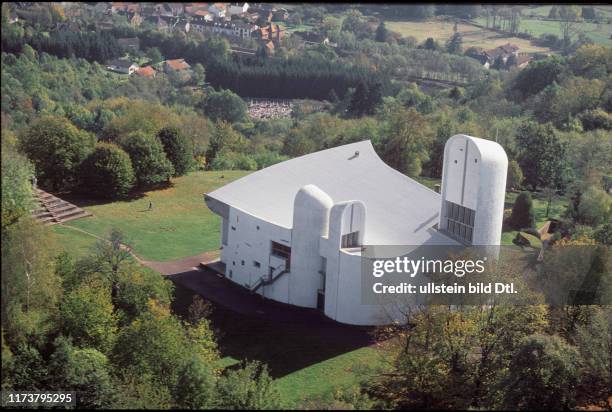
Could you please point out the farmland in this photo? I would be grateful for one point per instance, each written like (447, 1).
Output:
(441, 31)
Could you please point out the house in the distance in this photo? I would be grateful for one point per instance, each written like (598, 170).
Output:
(502, 53)
(218, 9)
(122, 66)
(271, 32)
(147, 71)
(237, 8)
(176, 65)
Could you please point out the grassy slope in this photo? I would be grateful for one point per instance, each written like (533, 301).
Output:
(316, 381)
(179, 225)
(598, 33)
(472, 35)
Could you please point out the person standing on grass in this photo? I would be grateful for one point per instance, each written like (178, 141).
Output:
(150, 205)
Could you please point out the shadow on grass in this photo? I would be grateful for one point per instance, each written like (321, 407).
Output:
(84, 200)
(285, 337)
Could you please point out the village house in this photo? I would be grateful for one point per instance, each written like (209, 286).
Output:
(523, 60)
(134, 19)
(237, 8)
(175, 9)
(122, 66)
(176, 65)
(122, 7)
(272, 32)
(147, 71)
(218, 9)
(502, 52)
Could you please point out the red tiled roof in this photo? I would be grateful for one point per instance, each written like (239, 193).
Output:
(147, 71)
(177, 64)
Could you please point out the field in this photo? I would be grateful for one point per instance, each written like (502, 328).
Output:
(179, 224)
(472, 35)
(599, 33)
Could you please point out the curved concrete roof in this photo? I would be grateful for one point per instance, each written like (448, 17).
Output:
(399, 210)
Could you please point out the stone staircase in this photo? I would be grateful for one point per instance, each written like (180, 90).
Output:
(52, 210)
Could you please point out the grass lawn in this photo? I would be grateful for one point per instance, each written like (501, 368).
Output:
(179, 225)
(75, 243)
(557, 209)
(321, 379)
(472, 35)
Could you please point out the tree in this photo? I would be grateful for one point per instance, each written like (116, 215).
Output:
(538, 75)
(57, 148)
(543, 374)
(30, 287)
(224, 139)
(199, 74)
(177, 148)
(431, 44)
(224, 105)
(17, 178)
(87, 316)
(568, 15)
(455, 44)
(135, 288)
(522, 212)
(148, 158)
(406, 141)
(85, 371)
(154, 55)
(158, 345)
(107, 172)
(542, 155)
(195, 388)
(594, 341)
(249, 387)
(382, 33)
(595, 207)
(515, 175)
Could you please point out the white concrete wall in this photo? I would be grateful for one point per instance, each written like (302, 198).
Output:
(310, 223)
(343, 273)
(249, 240)
(474, 176)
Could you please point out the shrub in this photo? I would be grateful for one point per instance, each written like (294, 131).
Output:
(148, 158)
(542, 375)
(522, 212)
(107, 172)
(595, 207)
(596, 119)
(57, 148)
(515, 175)
(233, 161)
(177, 149)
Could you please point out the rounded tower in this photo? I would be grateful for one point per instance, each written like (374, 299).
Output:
(310, 222)
(473, 190)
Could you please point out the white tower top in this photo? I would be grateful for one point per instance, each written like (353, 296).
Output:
(473, 190)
